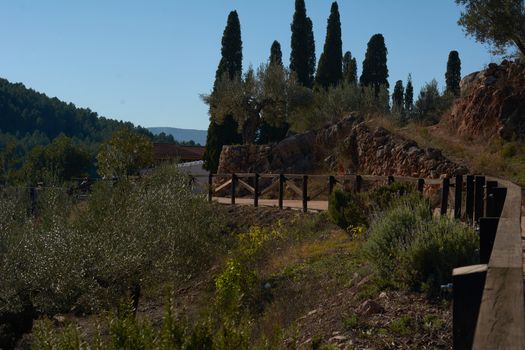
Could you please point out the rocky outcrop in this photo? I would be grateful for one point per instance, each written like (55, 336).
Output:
(492, 103)
(349, 146)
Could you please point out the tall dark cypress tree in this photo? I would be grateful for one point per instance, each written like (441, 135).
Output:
(398, 96)
(230, 66)
(329, 69)
(276, 55)
(349, 69)
(409, 94)
(375, 70)
(302, 56)
(453, 74)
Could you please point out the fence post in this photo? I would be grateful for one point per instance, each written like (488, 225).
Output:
(458, 196)
(479, 198)
(358, 183)
(305, 193)
(281, 190)
(234, 187)
(469, 205)
(444, 196)
(331, 184)
(468, 283)
(420, 185)
(487, 235)
(496, 203)
(256, 192)
(489, 197)
(210, 187)
(390, 180)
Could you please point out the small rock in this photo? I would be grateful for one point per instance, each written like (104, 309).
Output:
(383, 295)
(312, 312)
(59, 320)
(338, 338)
(369, 307)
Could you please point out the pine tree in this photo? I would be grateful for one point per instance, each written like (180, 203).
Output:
(398, 96)
(230, 66)
(453, 74)
(409, 94)
(349, 69)
(276, 55)
(329, 69)
(302, 56)
(375, 70)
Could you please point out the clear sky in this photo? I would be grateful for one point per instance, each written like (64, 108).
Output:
(147, 61)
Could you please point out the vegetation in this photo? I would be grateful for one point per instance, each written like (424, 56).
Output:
(498, 23)
(410, 248)
(409, 95)
(453, 74)
(375, 70)
(302, 56)
(125, 154)
(431, 104)
(276, 55)
(349, 69)
(224, 131)
(329, 69)
(398, 97)
(346, 210)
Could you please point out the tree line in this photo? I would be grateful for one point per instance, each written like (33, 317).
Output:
(263, 105)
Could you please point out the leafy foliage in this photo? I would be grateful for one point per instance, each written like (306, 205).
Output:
(124, 154)
(495, 22)
(398, 97)
(346, 210)
(329, 69)
(431, 104)
(409, 247)
(409, 94)
(276, 55)
(302, 56)
(349, 69)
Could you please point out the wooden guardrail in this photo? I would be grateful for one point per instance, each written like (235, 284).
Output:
(488, 305)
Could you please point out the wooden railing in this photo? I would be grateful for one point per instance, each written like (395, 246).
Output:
(488, 306)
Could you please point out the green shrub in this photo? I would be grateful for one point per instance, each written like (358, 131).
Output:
(410, 248)
(85, 257)
(346, 210)
(381, 198)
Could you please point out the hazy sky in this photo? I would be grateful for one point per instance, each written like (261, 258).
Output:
(148, 61)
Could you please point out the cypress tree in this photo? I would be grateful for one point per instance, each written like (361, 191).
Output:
(375, 70)
(276, 55)
(349, 69)
(302, 56)
(329, 70)
(398, 96)
(409, 94)
(453, 74)
(230, 66)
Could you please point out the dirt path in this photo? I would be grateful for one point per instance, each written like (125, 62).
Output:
(293, 204)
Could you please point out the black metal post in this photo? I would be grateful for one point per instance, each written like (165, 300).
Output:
(331, 184)
(256, 190)
(234, 187)
(444, 196)
(458, 194)
(305, 193)
(420, 185)
(479, 198)
(469, 206)
(281, 190)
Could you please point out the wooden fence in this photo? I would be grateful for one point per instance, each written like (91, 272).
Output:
(488, 306)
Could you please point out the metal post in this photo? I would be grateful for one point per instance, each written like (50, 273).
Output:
(420, 185)
(390, 180)
(444, 196)
(479, 198)
(234, 187)
(210, 187)
(305, 193)
(487, 236)
(358, 183)
(331, 184)
(458, 194)
(281, 190)
(256, 192)
(469, 206)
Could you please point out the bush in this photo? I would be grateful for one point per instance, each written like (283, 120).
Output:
(381, 198)
(83, 257)
(346, 210)
(410, 248)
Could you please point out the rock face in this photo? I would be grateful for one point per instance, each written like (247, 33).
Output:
(492, 103)
(349, 146)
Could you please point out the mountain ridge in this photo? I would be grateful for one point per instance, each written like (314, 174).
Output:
(182, 135)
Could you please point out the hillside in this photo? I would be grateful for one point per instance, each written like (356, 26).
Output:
(182, 135)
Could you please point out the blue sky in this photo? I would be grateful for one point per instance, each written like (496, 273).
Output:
(148, 61)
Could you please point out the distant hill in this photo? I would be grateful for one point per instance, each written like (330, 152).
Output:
(181, 135)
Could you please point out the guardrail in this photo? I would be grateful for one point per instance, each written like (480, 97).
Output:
(488, 299)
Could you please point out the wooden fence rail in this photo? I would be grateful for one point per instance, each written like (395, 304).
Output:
(488, 306)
